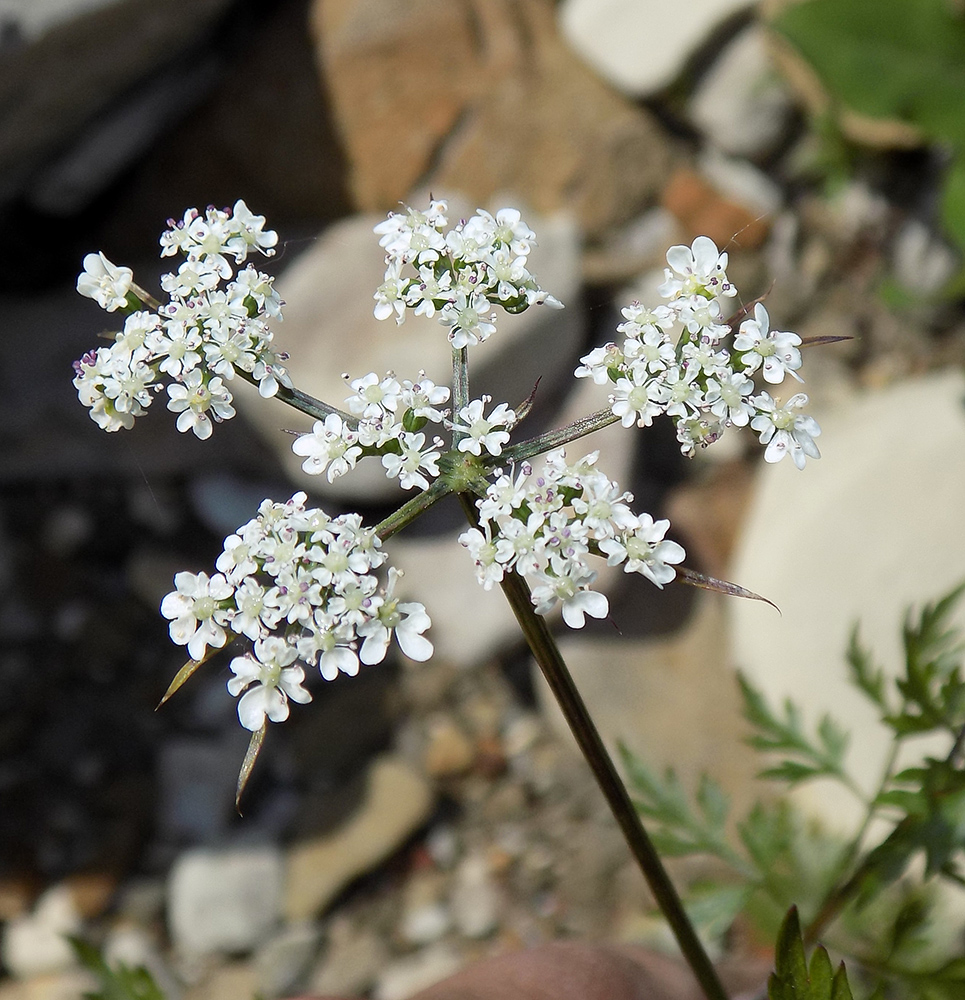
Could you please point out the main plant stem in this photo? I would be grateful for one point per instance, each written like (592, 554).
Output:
(544, 649)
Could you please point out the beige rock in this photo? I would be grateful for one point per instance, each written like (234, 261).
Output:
(55, 986)
(226, 982)
(351, 962)
(503, 105)
(397, 802)
(449, 751)
(673, 701)
(862, 534)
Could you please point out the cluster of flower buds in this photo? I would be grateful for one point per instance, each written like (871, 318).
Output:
(301, 585)
(460, 274)
(676, 359)
(214, 324)
(545, 525)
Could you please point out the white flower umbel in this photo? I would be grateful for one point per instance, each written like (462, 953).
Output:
(676, 360)
(298, 584)
(547, 525)
(460, 274)
(210, 328)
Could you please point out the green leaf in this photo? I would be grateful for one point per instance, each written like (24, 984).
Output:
(953, 201)
(794, 979)
(118, 983)
(903, 60)
(713, 908)
(810, 758)
(680, 827)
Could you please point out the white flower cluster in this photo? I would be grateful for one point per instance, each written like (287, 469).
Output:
(300, 585)
(460, 274)
(675, 360)
(215, 323)
(544, 526)
(388, 418)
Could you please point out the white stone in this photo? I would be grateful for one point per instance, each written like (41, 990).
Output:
(224, 900)
(133, 947)
(35, 943)
(329, 329)
(741, 104)
(476, 901)
(426, 923)
(283, 960)
(741, 182)
(871, 528)
(641, 46)
(34, 17)
(922, 263)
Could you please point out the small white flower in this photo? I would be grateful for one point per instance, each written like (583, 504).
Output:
(485, 555)
(194, 397)
(104, 282)
(466, 316)
(638, 402)
(777, 352)
(484, 432)
(269, 682)
(374, 396)
(195, 608)
(331, 445)
(786, 431)
(406, 466)
(644, 550)
(696, 270)
(570, 586)
(728, 397)
(407, 620)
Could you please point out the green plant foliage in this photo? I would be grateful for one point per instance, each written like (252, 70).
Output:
(894, 59)
(794, 979)
(118, 983)
(859, 895)
(808, 758)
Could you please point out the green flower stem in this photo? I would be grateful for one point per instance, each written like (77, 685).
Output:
(460, 386)
(551, 663)
(302, 402)
(557, 438)
(841, 893)
(413, 508)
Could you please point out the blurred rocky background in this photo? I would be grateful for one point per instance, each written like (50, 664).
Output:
(420, 816)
